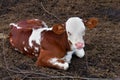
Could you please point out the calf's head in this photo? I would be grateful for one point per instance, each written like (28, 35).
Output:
(75, 28)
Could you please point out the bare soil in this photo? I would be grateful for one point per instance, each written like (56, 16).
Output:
(102, 59)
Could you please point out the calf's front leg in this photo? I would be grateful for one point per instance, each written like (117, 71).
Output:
(68, 56)
(53, 63)
(58, 63)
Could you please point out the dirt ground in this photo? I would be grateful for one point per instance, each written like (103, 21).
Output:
(102, 59)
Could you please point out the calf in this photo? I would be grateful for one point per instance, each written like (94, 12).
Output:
(34, 38)
(54, 46)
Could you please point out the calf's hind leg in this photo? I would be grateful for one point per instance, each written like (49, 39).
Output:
(59, 63)
(48, 59)
(53, 63)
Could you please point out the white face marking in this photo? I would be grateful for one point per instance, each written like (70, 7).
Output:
(15, 25)
(36, 36)
(75, 30)
(61, 65)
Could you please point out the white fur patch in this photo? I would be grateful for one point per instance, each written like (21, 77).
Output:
(68, 57)
(16, 49)
(25, 49)
(15, 25)
(36, 19)
(54, 61)
(36, 49)
(45, 25)
(36, 36)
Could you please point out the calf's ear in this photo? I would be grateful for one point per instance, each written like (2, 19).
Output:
(91, 22)
(58, 29)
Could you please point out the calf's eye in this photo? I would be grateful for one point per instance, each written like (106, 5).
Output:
(69, 33)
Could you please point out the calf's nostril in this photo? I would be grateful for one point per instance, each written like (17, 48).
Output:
(79, 45)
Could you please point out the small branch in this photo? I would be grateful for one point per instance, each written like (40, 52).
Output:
(26, 72)
(49, 12)
(86, 58)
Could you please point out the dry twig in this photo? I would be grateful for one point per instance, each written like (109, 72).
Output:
(49, 12)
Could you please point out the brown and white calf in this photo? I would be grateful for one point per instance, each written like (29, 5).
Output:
(53, 46)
